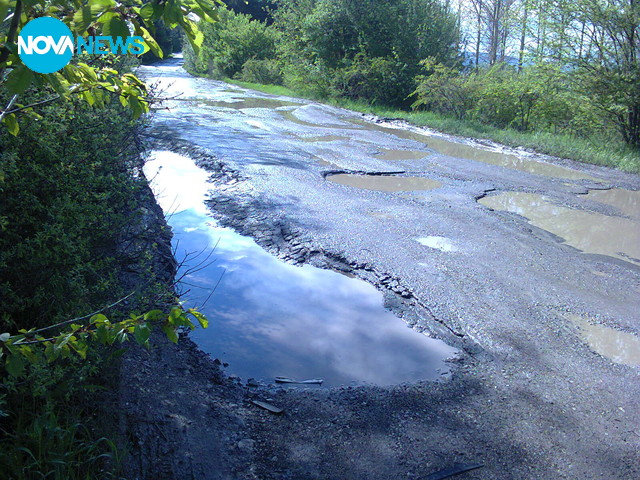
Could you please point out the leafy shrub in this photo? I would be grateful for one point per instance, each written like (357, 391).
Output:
(266, 72)
(230, 43)
(68, 193)
(445, 90)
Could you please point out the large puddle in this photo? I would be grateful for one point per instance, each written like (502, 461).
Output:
(269, 318)
(385, 183)
(627, 201)
(587, 231)
(620, 347)
(460, 150)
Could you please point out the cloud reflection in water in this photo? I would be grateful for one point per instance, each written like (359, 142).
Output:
(269, 318)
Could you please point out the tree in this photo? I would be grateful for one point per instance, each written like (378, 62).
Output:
(611, 71)
(90, 17)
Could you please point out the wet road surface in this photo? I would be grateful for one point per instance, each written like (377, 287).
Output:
(504, 278)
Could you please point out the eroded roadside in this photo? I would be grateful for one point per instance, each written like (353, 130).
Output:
(187, 420)
(527, 399)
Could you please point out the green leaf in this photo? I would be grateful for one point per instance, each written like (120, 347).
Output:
(174, 316)
(12, 124)
(19, 79)
(142, 333)
(195, 39)
(146, 11)
(49, 352)
(4, 337)
(102, 335)
(80, 348)
(58, 82)
(149, 41)
(82, 19)
(202, 320)
(88, 97)
(170, 332)
(116, 27)
(153, 315)
(15, 365)
(88, 71)
(99, 319)
(158, 11)
(208, 8)
(28, 353)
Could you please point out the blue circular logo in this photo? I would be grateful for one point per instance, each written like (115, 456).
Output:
(45, 45)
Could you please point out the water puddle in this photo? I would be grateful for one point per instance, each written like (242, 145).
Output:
(308, 119)
(385, 183)
(324, 138)
(269, 318)
(381, 215)
(460, 150)
(246, 102)
(392, 154)
(627, 201)
(439, 243)
(619, 347)
(587, 231)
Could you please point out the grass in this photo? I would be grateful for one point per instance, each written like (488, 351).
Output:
(597, 151)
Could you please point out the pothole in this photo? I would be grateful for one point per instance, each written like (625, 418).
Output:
(246, 102)
(400, 155)
(470, 152)
(619, 347)
(384, 183)
(323, 138)
(627, 201)
(269, 318)
(587, 231)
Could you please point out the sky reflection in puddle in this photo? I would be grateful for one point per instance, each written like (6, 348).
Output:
(269, 318)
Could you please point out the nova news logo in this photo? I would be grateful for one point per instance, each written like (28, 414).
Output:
(46, 45)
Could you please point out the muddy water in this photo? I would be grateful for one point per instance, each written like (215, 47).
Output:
(627, 201)
(393, 154)
(460, 150)
(385, 183)
(269, 318)
(587, 231)
(620, 347)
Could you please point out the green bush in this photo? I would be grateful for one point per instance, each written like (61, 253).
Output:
(267, 72)
(540, 98)
(383, 81)
(67, 195)
(230, 43)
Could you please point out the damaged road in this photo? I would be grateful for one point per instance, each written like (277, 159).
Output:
(529, 398)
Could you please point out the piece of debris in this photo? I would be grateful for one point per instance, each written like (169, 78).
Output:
(456, 469)
(252, 382)
(313, 381)
(268, 406)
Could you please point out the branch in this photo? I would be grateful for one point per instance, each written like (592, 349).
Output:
(37, 104)
(11, 34)
(7, 111)
(77, 319)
